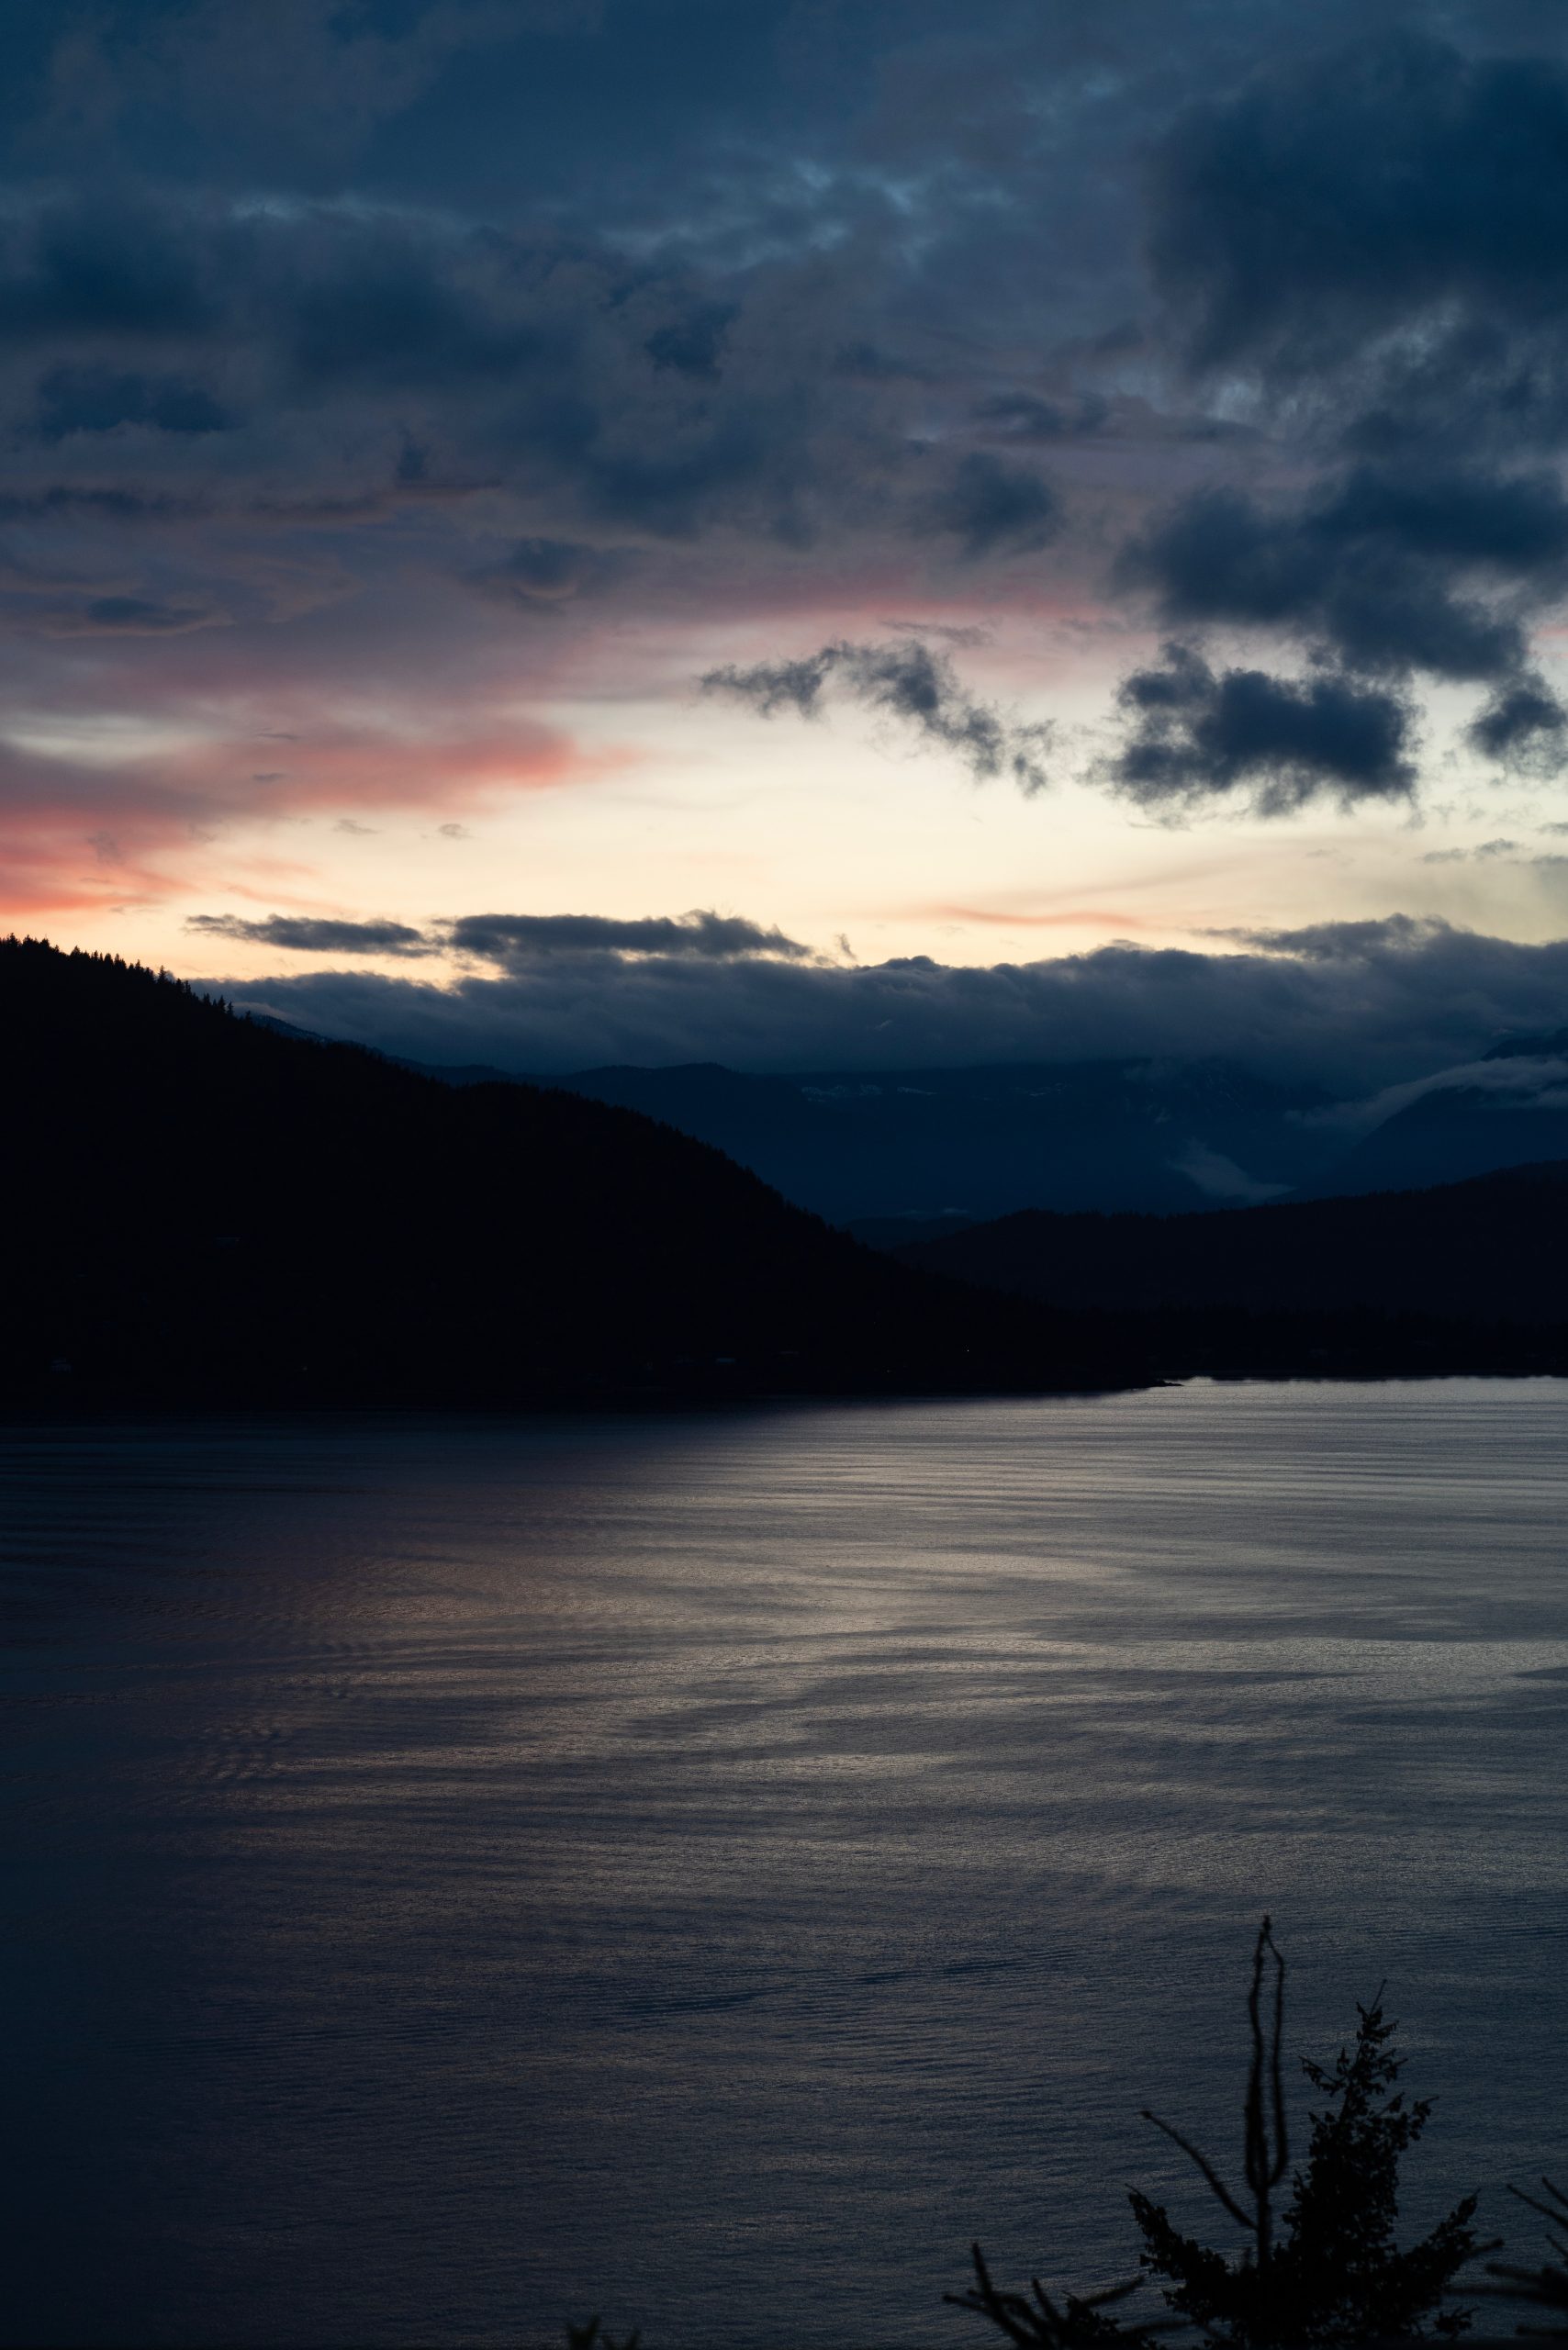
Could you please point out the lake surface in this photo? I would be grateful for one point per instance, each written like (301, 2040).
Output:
(461, 1875)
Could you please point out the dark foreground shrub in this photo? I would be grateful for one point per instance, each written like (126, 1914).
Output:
(1326, 2269)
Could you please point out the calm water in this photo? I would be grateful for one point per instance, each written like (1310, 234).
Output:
(463, 1875)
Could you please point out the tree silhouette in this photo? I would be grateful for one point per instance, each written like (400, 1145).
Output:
(589, 2337)
(1545, 2287)
(1075, 2322)
(1327, 2269)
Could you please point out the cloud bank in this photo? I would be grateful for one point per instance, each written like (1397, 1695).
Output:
(511, 940)
(306, 934)
(1352, 1007)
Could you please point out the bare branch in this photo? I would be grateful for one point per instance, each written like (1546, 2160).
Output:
(1216, 2184)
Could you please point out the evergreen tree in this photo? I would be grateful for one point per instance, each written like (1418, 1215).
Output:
(1327, 2269)
(1335, 2273)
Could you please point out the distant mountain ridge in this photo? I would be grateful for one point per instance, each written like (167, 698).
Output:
(868, 1148)
(1490, 1250)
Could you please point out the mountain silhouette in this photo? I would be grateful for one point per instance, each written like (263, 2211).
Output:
(1472, 1274)
(205, 1208)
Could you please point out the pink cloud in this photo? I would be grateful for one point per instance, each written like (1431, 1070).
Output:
(76, 834)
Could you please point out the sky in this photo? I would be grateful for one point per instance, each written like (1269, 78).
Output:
(804, 532)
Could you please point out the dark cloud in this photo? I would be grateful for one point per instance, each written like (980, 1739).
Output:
(446, 356)
(1349, 1006)
(1374, 235)
(199, 87)
(1525, 728)
(1388, 572)
(100, 399)
(520, 939)
(540, 574)
(358, 351)
(369, 306)
(1195, 736)
(1386, 939)
(963, 636)
(73, 502)
(907, 681)
(1382, 573)
(1338, 200)
(515, 941)
(115, 616)
(309, 935)
(694, 343)
(92, 270)
(870, 366)
(993, 507)
(1024, 416)
(635, 106)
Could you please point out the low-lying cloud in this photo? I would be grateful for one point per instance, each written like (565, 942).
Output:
(1351, 1007)
(1523, 1082)
(310, 934)
(514, 941)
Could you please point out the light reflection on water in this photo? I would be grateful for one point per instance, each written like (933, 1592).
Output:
(463, 1874)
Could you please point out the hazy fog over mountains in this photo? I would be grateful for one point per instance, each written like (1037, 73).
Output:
(979, 1142)
(871, 1146)
(1099, 1136)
